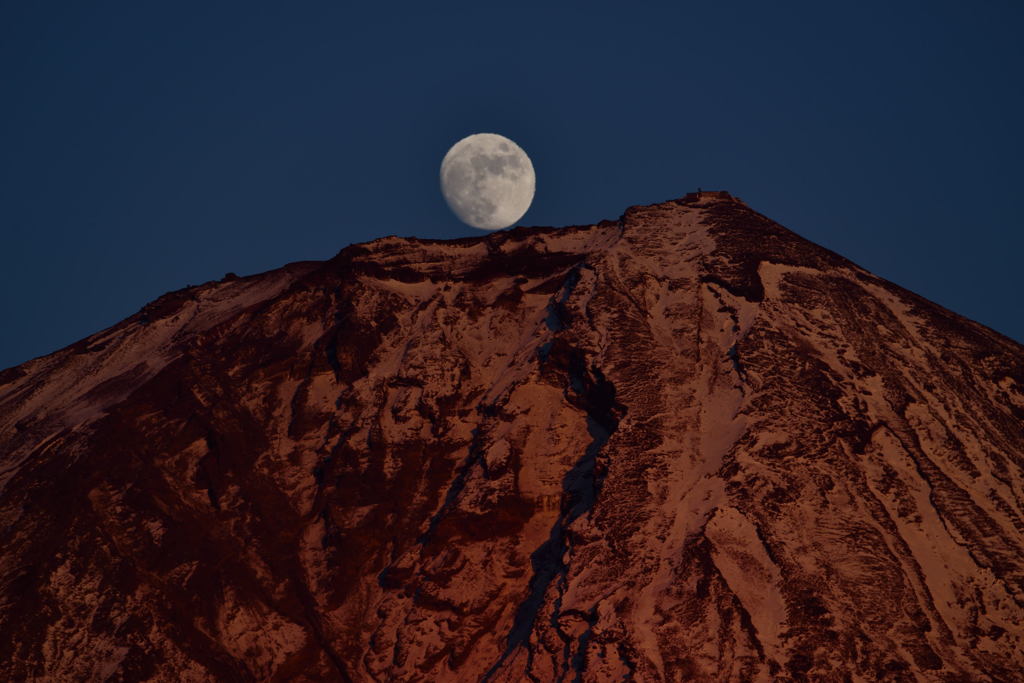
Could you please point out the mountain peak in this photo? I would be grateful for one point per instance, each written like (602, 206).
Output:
(684, 445)
(709, 197)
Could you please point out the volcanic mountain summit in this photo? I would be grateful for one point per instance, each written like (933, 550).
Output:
(686, 445)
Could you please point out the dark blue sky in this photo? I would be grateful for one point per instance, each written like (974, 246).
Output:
(145, 146)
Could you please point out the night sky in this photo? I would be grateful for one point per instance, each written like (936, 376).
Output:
(145, 146)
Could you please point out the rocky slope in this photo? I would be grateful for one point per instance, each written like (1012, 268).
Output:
(686, 445)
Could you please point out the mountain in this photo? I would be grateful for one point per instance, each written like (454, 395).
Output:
(686, 445)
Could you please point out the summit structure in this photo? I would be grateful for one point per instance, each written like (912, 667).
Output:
(687, 445)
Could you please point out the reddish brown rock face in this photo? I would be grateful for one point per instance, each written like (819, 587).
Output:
(687, 445)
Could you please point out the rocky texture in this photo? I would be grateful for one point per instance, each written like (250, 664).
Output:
(686, 445)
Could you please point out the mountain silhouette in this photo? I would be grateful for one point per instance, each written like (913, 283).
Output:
(687, 445)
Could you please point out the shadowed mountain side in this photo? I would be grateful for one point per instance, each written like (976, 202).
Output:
(685, 445)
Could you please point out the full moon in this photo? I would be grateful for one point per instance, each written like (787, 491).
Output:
(488, 181)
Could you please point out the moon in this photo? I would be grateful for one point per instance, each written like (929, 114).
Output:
(488, 181)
